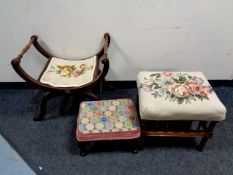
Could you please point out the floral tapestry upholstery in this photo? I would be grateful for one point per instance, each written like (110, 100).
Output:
(69, 73)
(178, 96)
(107, 120)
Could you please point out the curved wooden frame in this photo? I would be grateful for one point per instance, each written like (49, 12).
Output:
(17, 67)
(101, 57)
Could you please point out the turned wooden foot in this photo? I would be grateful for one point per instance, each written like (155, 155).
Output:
(43, 106)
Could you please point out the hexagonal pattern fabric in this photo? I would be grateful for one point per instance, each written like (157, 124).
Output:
(107, 120)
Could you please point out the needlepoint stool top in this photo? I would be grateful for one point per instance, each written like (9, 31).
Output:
(178, 96)
(69, 73)
(107, 120)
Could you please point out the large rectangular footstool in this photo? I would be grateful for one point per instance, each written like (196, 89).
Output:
(176, 97)
(107, 120)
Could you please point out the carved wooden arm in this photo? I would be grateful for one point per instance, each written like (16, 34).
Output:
(106, 43)
(104, 51)
(17, 59)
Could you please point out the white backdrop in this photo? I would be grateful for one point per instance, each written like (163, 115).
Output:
(179, 35)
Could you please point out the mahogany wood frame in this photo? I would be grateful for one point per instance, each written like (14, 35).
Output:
(204, 129)
(62, 91)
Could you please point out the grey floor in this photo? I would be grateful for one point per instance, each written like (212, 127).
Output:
(49, 147)
(10, 162)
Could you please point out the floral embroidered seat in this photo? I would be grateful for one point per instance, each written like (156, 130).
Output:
(62, 77)
(70, 73)
(107, 120)
(178, 96)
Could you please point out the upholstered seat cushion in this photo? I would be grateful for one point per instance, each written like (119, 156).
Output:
(69, 73)
(107, 120)
(178, 96)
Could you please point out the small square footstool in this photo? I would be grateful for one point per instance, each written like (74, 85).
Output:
(179, 96)
(107, 120)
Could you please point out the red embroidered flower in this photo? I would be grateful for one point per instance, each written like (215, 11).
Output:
(167, 74)
(82, 66)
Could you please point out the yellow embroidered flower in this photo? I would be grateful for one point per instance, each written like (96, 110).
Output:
(65, 70)
(99, 126)
(118, 125)
(115, 103)
(85, 121)
(108, 113)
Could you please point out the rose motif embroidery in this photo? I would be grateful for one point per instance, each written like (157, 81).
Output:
(70, 71)
(177, 87)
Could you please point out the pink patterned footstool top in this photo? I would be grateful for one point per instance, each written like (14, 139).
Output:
(107, 120)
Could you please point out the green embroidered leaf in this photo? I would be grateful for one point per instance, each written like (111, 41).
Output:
(167, 97)
(173, 98)
(154, 94)
(91, 67)
(205, 97)
(157, 75)
(189, 77)
(180, 100)
(187, 100)
(182, 79)
(156, 85)
(199, 97)
(73, 67)
(140, 86)
(82, 71)
(176, 80)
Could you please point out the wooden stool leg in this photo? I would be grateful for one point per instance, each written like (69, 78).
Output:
(136, 146)
(43, 106)
(83, 150)
(63, 108)
(204, 140)
(202, 144)
(91, 96)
